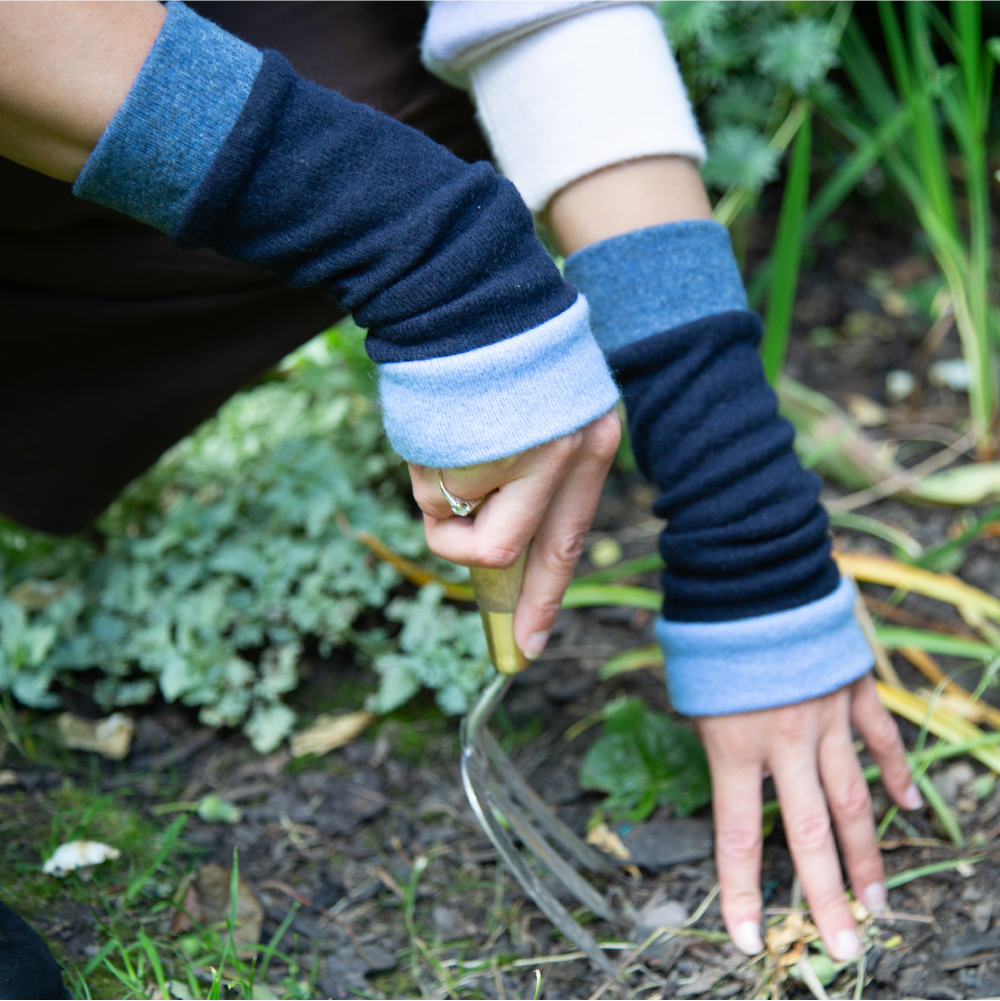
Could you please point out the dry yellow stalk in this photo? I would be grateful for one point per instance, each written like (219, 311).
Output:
(945, 587)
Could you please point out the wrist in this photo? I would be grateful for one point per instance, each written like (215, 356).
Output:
(626, 197)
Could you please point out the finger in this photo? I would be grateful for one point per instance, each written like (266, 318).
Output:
(810, 839)
(851, 806)
(466, 482)
(883, 741)
(560, 538)
(736, 808)
(500, 530)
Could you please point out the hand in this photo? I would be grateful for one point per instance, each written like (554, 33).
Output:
(548, 494)
(809, 750)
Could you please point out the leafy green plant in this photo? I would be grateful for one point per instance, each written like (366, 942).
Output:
(956, 95)
(645, 759)
(207, 576)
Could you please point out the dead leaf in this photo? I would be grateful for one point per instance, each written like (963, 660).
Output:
(328, 732)
(189, 913)
(111, 737)
(866, 411)
(780, 936)
(212, 883)
(33, 594)
(608, 841)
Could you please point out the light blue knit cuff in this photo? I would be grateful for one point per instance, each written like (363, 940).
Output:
(497, 400)
(652, 280)
(186, 98)
(716, 668)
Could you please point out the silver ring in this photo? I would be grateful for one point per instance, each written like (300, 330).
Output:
(459, 506)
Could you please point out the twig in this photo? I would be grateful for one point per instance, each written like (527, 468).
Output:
(906, 618)
(904, 479)
(883, 666)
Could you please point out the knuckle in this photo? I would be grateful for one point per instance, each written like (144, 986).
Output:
(738, 844)
(810, 832)
(495, 556)
(564, 552)
(854, 801)
(883, 734)
(791, 724)
(828, 900)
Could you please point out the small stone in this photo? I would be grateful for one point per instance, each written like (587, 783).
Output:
(951, 373)
(949, 781)
(899, 384)
(605, 552)
(450, 923)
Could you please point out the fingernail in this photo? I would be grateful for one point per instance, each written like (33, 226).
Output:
(873, 897)
(912, 798)
(848, 945)
(746, 938)
(535, 644)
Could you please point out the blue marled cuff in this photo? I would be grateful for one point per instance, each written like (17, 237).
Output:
(186, 98)
(500, 399)
(653, 280)
(717, 668)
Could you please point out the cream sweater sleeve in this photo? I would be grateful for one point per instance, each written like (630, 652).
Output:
(564, 88)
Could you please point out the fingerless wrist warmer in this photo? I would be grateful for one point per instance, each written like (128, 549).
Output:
(754, 613)
(484, 350)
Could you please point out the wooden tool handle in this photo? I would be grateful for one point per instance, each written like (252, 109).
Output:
(497, 592)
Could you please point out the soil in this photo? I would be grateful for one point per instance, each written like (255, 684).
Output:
(340, 833)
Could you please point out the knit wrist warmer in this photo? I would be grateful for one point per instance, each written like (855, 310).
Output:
(746, 546)
(436, 257)
(561, 100)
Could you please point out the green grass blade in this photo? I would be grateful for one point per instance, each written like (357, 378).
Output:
(632, 660)
(171, 834)
(154, 960)
(901, 878)
(935, 554)
(862, 523)
(788, 253)
(895, 637)
(941, 808)
(591, 595)
(641, 564)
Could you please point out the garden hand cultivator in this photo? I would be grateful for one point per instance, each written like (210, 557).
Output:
(507, 807)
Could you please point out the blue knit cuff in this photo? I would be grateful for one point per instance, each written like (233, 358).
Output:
(651, 280)
(186, 98)
(500, 399)
(717, 668)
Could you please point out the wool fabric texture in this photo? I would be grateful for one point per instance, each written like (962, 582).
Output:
(434, 256)
(755, 613)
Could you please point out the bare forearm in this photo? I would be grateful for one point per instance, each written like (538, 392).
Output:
(625, 197)
(65, 68)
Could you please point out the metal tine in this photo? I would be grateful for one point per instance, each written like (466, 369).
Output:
(560, 868)
(480, 801)
(538, 809)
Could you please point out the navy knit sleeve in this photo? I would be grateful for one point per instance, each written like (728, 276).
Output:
(755, 613)
(483, 349)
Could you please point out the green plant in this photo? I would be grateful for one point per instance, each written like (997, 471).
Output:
(645, 759)
(207, 576)
(956, 95)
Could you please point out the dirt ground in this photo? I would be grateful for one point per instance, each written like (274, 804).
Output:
(340, 833)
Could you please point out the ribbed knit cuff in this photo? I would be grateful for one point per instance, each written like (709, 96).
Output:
(652, 280)
(589, 91)
(186, 98)
(500, 399)
(717, 668)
